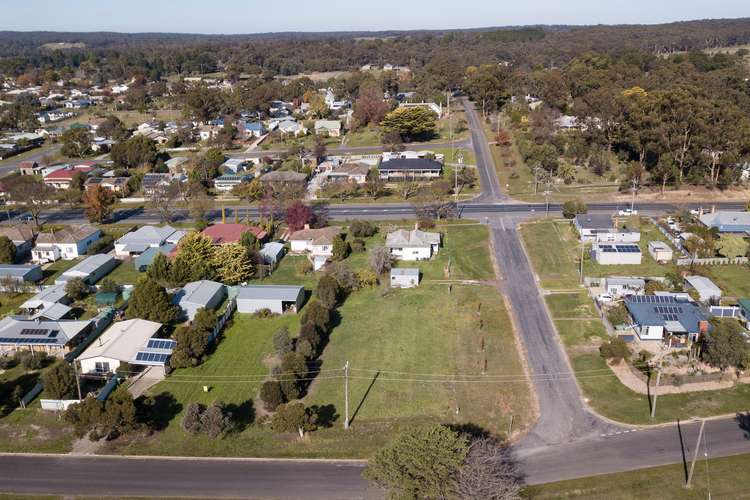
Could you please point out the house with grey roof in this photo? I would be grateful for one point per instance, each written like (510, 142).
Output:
(666, 318)
(145, 237)
(125, 342)
(623, 287)
(278, 299)
(46, 298)
(144, 260)
(19, 277)
(707, 290)
(91, 269)
(22, 236)
(413, 245)
(68, 243)
(602, 228)
(204, 294)
(402, 277)
(38, 335)
(726, 221)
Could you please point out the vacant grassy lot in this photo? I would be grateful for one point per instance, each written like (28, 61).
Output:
(10, 302)
(417, 339)
(728, 479)
(733, 280)
(125, 273)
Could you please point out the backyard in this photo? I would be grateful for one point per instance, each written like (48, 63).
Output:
(404, 347)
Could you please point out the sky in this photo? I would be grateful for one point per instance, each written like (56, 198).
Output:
(260, 16)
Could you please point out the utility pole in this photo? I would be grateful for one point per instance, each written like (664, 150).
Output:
(695, 454)
(346, 395)
(634, 190)
(583, 245)
(653, 403)
(547, 192)
(78, 379)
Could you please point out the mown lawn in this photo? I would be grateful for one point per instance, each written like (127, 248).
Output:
(55, 269)
(728, 478)
(554, 253)
(125, 273)
(426, 333)
(733, 280)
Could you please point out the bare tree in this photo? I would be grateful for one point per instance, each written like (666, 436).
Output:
(163, 200)
(32, 194)
(488, 473)
(407, 189)
(381, 260)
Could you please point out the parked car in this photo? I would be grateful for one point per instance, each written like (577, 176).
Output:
(605, 298)
(627, 212)
(696, 212)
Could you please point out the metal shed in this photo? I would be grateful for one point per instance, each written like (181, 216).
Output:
(277, 298)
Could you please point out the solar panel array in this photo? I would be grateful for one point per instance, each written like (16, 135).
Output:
(151, 357)
(16, 340)
(34, 331)
(620, 248)
(653, 299)
(160, 344)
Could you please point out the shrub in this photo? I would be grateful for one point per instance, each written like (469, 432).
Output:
(304, 267)
(293, 417)
(101, 245)
(264, 313)
(271, 395)
(327, 291)
(60, 381)
(367, 278)
(282, 344)
(425, 223)
(571, 208)
(358, 246)
(191, 421)
(76, 288)
(310, 333)
(341, 248)
(616, 350)
(33, 361)
(109, 286)
(363, 229)
(317, 314)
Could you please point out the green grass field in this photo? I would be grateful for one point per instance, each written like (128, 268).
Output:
(55, 269)
(727, 477)
(428, 330)
(125, 274)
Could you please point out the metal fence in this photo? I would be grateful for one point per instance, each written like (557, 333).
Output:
(712, 261)
(228, 312)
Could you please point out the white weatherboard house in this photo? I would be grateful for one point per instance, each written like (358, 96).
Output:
(67, 244)
(137, 242)
(602, 228)
(413, 245)
(120, 343)
(404, 277)
(90, 270)
(277, 298)
(624, 287)
(204, 294)
(318, 243)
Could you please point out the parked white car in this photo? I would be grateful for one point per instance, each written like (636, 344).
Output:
(627, 212)
(605, 298)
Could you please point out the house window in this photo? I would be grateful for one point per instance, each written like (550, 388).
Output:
(102, 367)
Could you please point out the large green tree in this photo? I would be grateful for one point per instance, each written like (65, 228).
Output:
(7, 250)
(411, 123)
(137, 151)
(151, 301)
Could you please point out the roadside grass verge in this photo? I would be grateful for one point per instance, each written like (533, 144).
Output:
(728, 479)
(554, 254)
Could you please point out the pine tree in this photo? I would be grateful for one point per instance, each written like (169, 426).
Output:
(233, 264)
(151, 301)
(160, 269)
(7, 250)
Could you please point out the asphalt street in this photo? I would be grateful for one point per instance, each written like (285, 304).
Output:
(485, 164)
(161, 478)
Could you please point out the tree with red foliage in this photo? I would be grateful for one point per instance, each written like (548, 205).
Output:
(297, 215)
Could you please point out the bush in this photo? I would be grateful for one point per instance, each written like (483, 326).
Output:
(101, 245)
(76, 288)
(294, 417)
(367, 278)
(214, 420)
(60, 381)
(425, 223)
(616, 350)
(271, 395)
(264, 313)
(33, 361)
(109, 286)
(282, 343)
(363, 229)
(8, 362)
(341, 248)
(310, 333)
(571, 208)
(328, 291)
(317, 314)
(304, 267)
(358, 246)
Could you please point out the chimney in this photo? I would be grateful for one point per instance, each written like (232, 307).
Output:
(703, 327)
(307, 226)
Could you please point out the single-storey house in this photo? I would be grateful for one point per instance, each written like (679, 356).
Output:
(29, 167)
(413, 245)
(53, 337)
(660, 317)
(604, 254)
(204, 294)
(277, 298)
(228, 234)
(144, 260)
(318, 243)
(624, 287)
(22, 236)
(228, 182)
(707, 290)
(272, 253)
(660, 251)
(120, 343)
(602, 228)
(352, 171)
(63, 178)
(410, 168)
(331, 128)
(68, 243)
(281, 178)
(727, 221)
(235, 165)
(114, 184)
(16, 277)
(91, 269)
(177, 164)
(137, 242)
(152, 182)
(404, 277)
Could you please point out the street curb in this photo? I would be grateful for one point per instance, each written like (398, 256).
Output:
(343, 461)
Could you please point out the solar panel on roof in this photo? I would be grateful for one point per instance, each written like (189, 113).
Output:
(160, 344)
(34, 331)
(53, 334)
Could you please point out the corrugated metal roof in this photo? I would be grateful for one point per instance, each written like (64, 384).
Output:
(287, 293)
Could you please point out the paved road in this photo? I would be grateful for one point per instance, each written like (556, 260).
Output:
(37, 156)
(563, 416)
(485, 164)
(114, 476)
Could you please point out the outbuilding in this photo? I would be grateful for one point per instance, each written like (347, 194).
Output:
(278, 299)
(604, 254)
(14, 277)
(660, 251)
(204, 294)
(707, 290)
(91, 269)
(404, 277)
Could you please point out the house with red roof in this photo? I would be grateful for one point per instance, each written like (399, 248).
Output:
(227, 234)
(63, 178)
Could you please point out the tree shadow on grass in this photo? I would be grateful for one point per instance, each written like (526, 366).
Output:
(243, 415)
(743, 419)
(362, 401)
(158, 411)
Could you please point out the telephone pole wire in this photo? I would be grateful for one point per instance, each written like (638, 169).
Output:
(695, 454)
